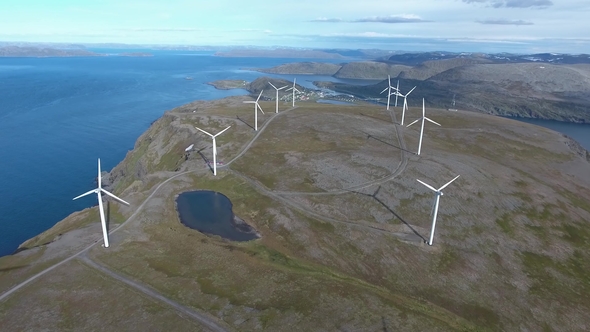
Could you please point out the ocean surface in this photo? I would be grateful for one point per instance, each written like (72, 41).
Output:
(58, 115)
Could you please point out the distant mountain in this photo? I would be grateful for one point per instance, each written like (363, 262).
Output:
(279, 53)
(420, 58)
(31, 51)
(532, 90)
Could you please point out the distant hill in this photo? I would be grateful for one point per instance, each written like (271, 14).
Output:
(533, 90)
(369, 70)
(430, 68)
(261, 83)
(306, 68)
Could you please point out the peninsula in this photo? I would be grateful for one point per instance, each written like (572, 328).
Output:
(332, 190)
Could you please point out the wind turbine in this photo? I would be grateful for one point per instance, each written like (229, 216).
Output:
(277, 98)
(214, 147)
(405, 107)
(422, 128)
(97, 191)
(437, 192)
(389, 93)
(256, 108)
(294, 89)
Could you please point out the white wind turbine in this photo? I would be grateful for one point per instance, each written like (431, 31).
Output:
(214, 147)
(389, 93)
(256, 108)
(277, 98)
(105, 234)
(405, 107)
(422, 128)
(294, 89)
(437, 192)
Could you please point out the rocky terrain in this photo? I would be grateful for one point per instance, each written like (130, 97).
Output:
(332, 191)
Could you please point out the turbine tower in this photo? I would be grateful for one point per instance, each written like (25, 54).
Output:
(97, 191)
(294, 89)
(437, 193)
(214, 147)
(256, 108)
(396, 93)
(422, 128)
(405, 107)
(389, 93)
(277, 98)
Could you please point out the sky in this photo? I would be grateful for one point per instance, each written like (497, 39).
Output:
(521, 26)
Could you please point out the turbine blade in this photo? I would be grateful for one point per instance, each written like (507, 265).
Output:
(289, 89)
(389, 80)
(432, 121)
(221, 132)
(384, 90)
(99, 177)
(259, 96)
(260, 108)
(286, 86)
(204, 131)
(93, 191)
(113, 196)
(414, 122)
(249, 102)
(410, 91)
(272, 85)
(427, 185)
(443, 187)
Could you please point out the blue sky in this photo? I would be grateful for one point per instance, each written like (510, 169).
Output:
(454, 25)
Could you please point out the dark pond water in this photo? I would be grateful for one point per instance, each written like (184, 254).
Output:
(210, 212)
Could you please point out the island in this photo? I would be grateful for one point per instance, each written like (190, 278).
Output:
(229, 84)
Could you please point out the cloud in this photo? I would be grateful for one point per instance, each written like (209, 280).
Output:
(405, 18)
(504, 22)
(327, 20)
(392, 19)
(514, 3)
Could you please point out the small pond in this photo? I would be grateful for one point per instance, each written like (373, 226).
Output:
(333, 102)
(211, 213)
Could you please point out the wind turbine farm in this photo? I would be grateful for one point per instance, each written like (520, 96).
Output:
(319, 217)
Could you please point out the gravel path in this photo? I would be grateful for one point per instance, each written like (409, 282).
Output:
(203, 319)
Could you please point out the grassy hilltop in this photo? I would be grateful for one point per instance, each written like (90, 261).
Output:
(332, 190)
